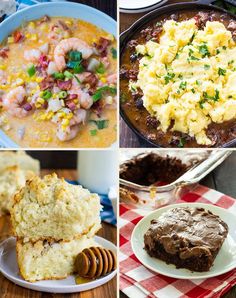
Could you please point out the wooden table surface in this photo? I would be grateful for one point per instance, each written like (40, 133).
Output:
(223, 180)
(10, 290)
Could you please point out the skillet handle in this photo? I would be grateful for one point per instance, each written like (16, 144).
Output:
(205, 1)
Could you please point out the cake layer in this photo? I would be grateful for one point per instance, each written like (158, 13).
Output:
(187, 237)
(49, 259)
(51, 208)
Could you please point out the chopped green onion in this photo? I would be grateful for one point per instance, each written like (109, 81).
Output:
(182, 142)
(31, 71)
(98, 94)
(75, 56)
(78, 81)
(101, 124)
(68, 74)
(203, 49)
(183, 85)
(79, 69)
(101, 69)
(207, 66)
(47, 94)
(93, 132)
(221, 72)
(114, 53)
(62, 94)
(169, 77)
(58, 75)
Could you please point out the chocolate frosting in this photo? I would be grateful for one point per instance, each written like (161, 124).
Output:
(187, 231)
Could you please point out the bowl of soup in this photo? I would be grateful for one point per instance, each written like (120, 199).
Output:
(58, 64)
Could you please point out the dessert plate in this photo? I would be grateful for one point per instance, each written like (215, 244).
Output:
(9, 268)
(224, 262)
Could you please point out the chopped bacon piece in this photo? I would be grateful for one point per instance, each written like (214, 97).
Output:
(3, 53)
(91, 79)
(45, 19)
(63, 25)
(43, 61)
(47, 83)
(18, 36)
(102, 46)
(64, 85)
(71, 105)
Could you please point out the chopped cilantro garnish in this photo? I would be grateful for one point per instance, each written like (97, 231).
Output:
(31, 71)
(221, 71)
(230, 62)
(198, 83)
(217, 51)
(193, 90)
(169, 77)
(93, 132)
(101, 68)
(215, 98)
(207, 66)
(114, 53)
(224, 47)
(201, 102)
(203, 49)
(101, 124)
(98, 94)
(183, 85)
(180, 76)
(182, 142)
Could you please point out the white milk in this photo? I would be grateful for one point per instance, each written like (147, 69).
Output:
(98, 170)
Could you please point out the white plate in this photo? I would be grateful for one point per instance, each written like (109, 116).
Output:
(224, 262)
(9, 268)
(136, 6)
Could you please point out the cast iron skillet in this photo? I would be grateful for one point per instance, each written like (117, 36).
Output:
(127, 35)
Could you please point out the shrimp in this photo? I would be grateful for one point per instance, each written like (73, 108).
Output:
(32, 55)
(112, 79)
(72, 130)
(14, 100)
(66, 45)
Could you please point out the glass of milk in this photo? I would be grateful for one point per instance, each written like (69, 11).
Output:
(98, 170)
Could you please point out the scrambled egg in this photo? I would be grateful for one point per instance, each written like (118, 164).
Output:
(189, 77)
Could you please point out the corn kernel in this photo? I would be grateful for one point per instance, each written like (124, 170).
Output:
(70, 116)
(94, 40)
(3, 67)
(28, 35)
(37, 105)
(40, 100)
(76, 101)
(65, 122)
(103, 80)
(68, 22)
(38, 79)
(10, 39)
(32, 25)
(34, 37)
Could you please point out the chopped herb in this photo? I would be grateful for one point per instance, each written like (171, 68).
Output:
(180, 76)
(101, 124)
(62, 94)
(114, 53)
(193, 90)
(31, 71)
(93, 132)
(98, 94)
(101, 68)
(123, 97)
(221, 71)
(203, 49)
(75, 56)
(183, 85)
(198, 83)
(182, 142)
(68, 74)
(169, 77)
(178, 92)
(201, 104)
(230, 62)
(215, 98)
(190, 52)
(177, 56)
(224, 47)
(46, 94)
(207, 66)
(59, 75)
(230, 96)
(134, 89)
(79, 69)
(77, 79)
(217, 51)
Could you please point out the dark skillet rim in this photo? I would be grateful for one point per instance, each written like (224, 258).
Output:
(145, 7)
(144, 19)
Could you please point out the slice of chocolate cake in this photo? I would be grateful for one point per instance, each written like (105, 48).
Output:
(186, 237)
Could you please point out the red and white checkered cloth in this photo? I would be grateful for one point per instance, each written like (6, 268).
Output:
(137, 281)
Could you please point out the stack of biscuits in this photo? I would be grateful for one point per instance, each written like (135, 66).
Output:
(15, 169)
(53, 221)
